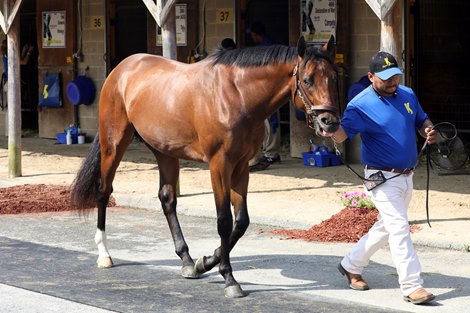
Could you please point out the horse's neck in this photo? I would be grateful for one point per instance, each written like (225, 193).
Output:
(271, 86)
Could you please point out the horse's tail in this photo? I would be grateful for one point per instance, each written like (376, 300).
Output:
(84, 188)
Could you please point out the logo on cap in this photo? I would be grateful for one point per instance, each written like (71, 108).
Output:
(387, 63)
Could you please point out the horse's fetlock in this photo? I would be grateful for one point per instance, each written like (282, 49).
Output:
(225, 269)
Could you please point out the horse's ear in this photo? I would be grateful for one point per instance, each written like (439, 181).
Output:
(329, 48)
(301, 46)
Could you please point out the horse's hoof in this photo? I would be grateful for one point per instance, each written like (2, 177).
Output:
(234, 291)
(189, 271)
(199, 267)
(104, 262)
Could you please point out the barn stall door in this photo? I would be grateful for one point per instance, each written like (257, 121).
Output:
(56, 20)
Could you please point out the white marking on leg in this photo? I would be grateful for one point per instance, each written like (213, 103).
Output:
(100, 240)
(104, 259)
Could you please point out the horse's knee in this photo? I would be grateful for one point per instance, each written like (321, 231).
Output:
(242, 223)
(167, 198)
(224, 224)
(240, 230)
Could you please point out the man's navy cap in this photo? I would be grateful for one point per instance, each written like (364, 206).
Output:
(384, 65)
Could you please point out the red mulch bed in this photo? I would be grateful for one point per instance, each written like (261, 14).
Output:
(349, 225)
(36, 198)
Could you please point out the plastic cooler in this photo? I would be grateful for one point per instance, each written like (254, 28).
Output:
(320, 157)
(62, 138)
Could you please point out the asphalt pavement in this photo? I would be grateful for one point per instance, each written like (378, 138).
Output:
(48, 260)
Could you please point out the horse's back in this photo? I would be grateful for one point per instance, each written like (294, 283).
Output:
(143, 78)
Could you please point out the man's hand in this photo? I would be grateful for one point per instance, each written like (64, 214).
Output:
(431, 135)
(338, 136)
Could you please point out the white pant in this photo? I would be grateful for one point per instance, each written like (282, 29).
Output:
(271, 146)
(391, 199)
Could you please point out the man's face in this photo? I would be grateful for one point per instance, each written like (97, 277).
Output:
(256, 38)
(385, 87)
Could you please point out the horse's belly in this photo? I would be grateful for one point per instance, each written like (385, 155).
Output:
(170, 141)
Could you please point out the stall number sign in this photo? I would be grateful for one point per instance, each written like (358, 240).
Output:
(181, 26)
(224, 16)
(318, 20)
(97, 22)
(53, 29)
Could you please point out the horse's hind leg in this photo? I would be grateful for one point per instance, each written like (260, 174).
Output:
(169, 172)
(112, 151)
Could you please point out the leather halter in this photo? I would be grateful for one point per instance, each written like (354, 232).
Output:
(310, 108)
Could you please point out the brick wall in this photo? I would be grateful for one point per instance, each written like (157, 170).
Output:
(364, 38)
(93, 49)
(214, 30)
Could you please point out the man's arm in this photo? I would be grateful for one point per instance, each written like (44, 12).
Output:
(338, 136)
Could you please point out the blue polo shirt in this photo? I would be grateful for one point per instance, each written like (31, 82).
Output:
(387, 126)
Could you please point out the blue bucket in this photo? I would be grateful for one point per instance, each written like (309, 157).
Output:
(81, 91)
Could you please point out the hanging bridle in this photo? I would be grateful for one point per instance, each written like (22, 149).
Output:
(312, 119)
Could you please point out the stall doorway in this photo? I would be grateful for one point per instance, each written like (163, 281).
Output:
(29, 71)
(127, 26)
(439, 42)
(274, 14)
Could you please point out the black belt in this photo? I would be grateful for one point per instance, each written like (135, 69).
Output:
(389, 169)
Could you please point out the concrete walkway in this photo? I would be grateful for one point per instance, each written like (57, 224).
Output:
(288, 195)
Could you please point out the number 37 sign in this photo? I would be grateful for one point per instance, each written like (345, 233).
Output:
(224, 16)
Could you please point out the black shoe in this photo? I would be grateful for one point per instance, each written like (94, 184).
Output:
(269, 160)
(260, 166)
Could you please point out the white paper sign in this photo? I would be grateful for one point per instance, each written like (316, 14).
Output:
(318, 21)
(53, 29)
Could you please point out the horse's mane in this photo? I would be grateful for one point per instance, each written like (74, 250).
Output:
(254, 56)
(262, 55)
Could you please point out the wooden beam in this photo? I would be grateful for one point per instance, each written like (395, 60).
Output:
(14, 98)
(165, 18)
(7, 19)
(159, 14)
(169, 6)
(381, 8)
(154, 9)
(12, 14)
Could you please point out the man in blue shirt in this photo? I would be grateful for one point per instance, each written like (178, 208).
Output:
(387, 115)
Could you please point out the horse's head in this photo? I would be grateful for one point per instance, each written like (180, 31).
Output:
(315, 89)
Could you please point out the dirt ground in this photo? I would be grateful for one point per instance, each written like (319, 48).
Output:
(317, 191)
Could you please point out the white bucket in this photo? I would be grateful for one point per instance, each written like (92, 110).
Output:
(81, 139)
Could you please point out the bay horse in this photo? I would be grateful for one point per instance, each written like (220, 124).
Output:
(212, 111)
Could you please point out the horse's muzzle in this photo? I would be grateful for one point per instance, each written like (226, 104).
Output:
(326, 123)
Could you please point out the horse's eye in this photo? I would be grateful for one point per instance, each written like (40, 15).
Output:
(307, 81)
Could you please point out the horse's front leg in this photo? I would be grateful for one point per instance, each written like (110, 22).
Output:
(242, 221)
(221, 177)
